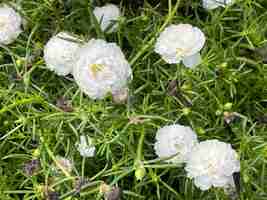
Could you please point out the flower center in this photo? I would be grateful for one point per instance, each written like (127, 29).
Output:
(2, 22)
(180, 52)
(211, 169)
(95, 68)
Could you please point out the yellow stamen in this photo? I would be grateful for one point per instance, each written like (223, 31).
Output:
(2, 22)
(95, 68)
(180, 52)
(211, 169)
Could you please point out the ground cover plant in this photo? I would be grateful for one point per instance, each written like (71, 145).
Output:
(45, 118)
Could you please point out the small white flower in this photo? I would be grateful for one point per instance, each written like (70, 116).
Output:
(10, 24)
(212, 4)
(107, 16)
(175, 140)
(60, 53)
(181, 42)
(101, 68)
(212, 163)
(86, 147)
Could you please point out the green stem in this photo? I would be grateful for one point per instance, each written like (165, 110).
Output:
(140, 146)
(50, 153)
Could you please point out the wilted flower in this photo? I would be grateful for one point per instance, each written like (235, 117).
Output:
(212, 4)
(31, 167)
(60, 52)
(110, 192)
(10, 24)
(107, 17)
(86, 147)
(101, 68)
(181, 42)
(175, 140)
(212, 163)
(65, 163)
(51, 195)
(64, 104)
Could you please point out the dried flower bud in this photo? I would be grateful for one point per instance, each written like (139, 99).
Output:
(120, 96)
(51, 195)
(64, 104)
(229, 117)
(31, 167)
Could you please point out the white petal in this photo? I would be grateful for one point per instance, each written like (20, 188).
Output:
(175, 140)
(107, 16)
(179, 41)
(203, 182)
(192, 61)
(214, 161)
(60, 53)
(10, 24)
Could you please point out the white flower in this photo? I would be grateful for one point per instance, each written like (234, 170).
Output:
(181, 42)
(10, 24)
(107, 17)
(212, 163)
(86, 147)
(212, 4)
(101, 68)
(175, 140)
(60, 53)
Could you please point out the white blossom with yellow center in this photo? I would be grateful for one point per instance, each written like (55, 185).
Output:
(60, 53)
(212, 4)
(212, 163)
(101, 68)
(10, 24)
(181, 42)
(107, 16)
(175, 142)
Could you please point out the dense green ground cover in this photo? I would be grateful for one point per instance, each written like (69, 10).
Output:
(232, 78)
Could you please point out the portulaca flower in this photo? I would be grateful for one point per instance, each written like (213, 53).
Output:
(86, 147)
(101, 68)
(181, 42)
(10, 24)
(175, 140)
(60, 53)
(212, 4)
(107, 17)
(212, 163)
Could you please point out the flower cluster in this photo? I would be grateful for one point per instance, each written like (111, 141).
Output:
(209, 163)
(101, 68)
(98, 67)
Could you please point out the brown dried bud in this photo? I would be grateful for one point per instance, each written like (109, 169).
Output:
(229, 117)
(121, 96)
(32, 167)
(64, 104)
